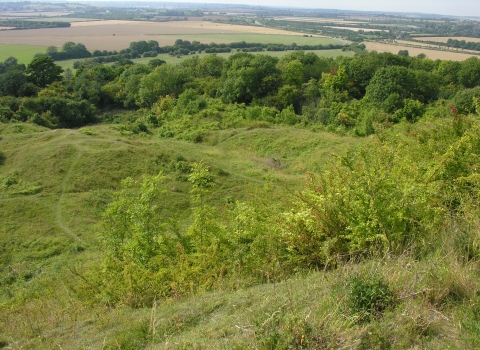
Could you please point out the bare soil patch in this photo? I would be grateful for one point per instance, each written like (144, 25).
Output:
(413, 51)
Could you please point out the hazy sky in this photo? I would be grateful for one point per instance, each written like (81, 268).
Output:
(445, 7)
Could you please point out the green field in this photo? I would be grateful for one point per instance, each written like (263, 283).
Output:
(24, 53)
(252, 38)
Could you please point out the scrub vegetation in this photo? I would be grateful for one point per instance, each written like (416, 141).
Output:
(300, 202)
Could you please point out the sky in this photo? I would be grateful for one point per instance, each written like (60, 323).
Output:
(443, 7)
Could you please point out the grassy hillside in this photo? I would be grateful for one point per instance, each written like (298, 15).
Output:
(55, 185)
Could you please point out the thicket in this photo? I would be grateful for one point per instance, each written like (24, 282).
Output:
(346, 95)
(388, 198)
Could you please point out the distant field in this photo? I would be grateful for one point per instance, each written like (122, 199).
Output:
(319, 20)
(356, 29)
(252, 38)
(13, 14)
(62, 19)
(24, 53)
(413, 51)
(444, 39)
(117, 35)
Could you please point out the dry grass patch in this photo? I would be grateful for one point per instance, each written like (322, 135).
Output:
(414, 51)
(117, 35)
(444, 39)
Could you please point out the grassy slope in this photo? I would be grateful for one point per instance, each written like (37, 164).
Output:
(24, 53)
(47, 235)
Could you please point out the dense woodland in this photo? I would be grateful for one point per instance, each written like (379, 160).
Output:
(346, 95)
(411, 191)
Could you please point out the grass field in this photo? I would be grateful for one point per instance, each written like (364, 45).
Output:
(48, 238)
(299, 39)
(24, 53)
(64, 178)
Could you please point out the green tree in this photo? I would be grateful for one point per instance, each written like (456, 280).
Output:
(164, 80)
(42, 71)
(247, 77)
(292, 73)
(391, 81)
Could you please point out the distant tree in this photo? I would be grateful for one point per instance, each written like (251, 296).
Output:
(73, 50)
(156, 62)
(12, 82)
(42, 71)
(403, 53)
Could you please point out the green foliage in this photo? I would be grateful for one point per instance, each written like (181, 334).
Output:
(49, 111)
(42, 71)
(387, 196)
(11, 184)
(368, 296)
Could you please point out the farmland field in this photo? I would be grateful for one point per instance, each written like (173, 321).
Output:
(319, 20)
(117, 35)
(356, 29)
(444, 39)
(414, 51)
(24, 53)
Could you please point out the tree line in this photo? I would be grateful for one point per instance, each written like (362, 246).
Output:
(19, 24)
(343, 94)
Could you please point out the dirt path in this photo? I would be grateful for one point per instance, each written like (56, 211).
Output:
(58, 209)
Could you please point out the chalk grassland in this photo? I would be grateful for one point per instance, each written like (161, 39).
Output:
(41, 235)
(117, 35)
(414, 51)
(24, 53)
(444, 39)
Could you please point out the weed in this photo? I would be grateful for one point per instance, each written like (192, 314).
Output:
(369, 296)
